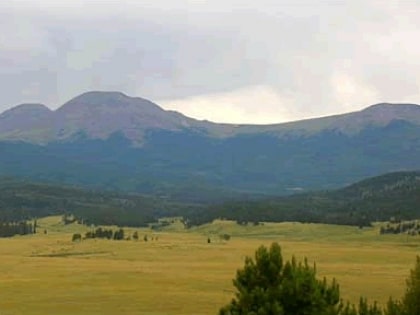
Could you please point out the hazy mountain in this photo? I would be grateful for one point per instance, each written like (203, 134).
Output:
(96, 115)
(17, 121)
(107, 139)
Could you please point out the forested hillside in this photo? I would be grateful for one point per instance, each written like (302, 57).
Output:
(394, 195)
(20, 200)
(380, 198)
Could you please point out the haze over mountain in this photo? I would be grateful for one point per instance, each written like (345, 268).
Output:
(108, 139)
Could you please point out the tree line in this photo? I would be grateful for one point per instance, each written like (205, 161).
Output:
(405, 227)
(8, 229)
(267, 285)
(377, 199)
(109, 234)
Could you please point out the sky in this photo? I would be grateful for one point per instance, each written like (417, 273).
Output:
(236, 61)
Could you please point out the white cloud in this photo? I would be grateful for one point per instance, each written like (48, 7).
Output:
(221, 60)
(349, 92)
(253, 104)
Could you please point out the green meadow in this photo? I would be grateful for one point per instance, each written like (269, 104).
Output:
(178, 272)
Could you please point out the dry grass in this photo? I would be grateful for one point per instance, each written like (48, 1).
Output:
(180, 273)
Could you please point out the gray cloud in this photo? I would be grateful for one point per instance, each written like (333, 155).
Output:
(239, 61)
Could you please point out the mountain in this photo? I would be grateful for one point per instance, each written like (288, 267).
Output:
(96, 115)
(17, 120)
(113, 141)
(99, 115)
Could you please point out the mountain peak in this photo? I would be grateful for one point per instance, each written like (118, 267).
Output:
(105, 99)
(25, 112)
(100, 114)
(16, 120)
(384, 113)
(26, 108)
(403, 107)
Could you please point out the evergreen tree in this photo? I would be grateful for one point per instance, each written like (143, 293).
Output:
(119, 235)
(266, 286)
(77, 237)
(411, 299)
(393, 307)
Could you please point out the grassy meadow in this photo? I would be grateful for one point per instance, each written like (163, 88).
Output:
(178, 272)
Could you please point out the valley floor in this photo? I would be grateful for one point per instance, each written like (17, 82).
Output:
(179, 272)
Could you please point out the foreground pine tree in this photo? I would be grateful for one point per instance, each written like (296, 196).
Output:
(411, 299)
(266, 286)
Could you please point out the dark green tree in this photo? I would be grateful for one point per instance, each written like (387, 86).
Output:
(119, 235)
(411, 299)
(393, 307)
(267, 286)
(77, 237)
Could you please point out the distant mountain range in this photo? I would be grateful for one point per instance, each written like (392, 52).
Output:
(109, 140)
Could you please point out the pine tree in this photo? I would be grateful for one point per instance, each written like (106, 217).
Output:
(266, 286)
(411, 299)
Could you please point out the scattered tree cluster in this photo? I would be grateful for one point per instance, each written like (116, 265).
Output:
(8, 229)
(102, 233)
(405, 227)
(146, 237)
(110, 235)
(267, 285)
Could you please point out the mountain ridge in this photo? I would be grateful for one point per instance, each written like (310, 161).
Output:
(99, 114)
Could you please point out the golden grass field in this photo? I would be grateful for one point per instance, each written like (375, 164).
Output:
(180, 273)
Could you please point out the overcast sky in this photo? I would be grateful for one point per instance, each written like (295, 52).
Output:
(228, 61)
